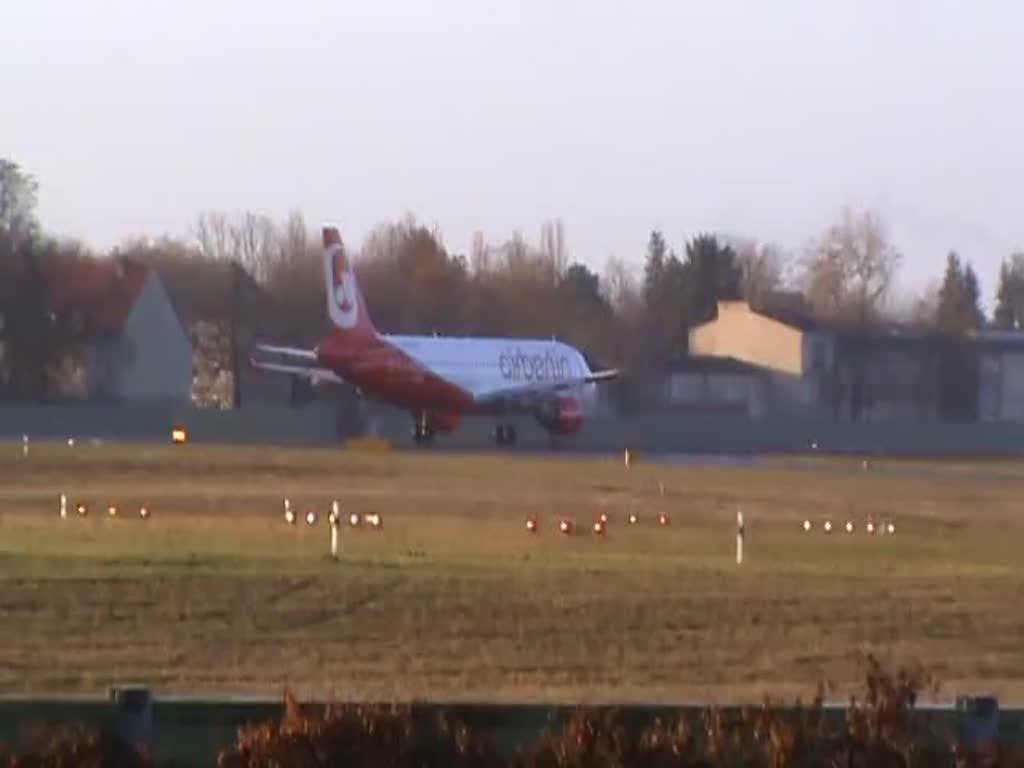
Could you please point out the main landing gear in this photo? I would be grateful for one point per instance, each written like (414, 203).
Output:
(423, 432)
(505, 435)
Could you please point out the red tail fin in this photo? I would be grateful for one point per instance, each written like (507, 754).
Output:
(345, 304)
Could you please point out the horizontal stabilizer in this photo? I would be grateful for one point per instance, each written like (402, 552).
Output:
(291, 360)
(293, 352)
(312, 372)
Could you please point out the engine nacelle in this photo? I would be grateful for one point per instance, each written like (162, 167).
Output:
(563, 416)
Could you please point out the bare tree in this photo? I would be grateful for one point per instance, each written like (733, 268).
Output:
(250, 239)
(480, 257)
(850, 269)
(212, 234)
(18, 192)
(918, 309)
(764, 268)
(254, 243)
(553, 249)
(295, 279)
(620, 286)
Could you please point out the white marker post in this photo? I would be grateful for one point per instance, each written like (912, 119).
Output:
(63, 507)
(335, 523)
(739, 537)
(24, 445)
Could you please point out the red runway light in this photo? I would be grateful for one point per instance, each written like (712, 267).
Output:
(599, 527)
(663, 519)
(531, 525)
(565, 526)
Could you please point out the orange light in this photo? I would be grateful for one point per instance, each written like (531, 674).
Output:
(143, 512)
(565, 526)
(531, 525)
(599, 528)
(112, 510)
(179, 436)
(663, 519)
(632, 518)
(604, 518)
(82, 510)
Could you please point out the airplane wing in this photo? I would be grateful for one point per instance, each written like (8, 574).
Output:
(530, 393)
(296, 362)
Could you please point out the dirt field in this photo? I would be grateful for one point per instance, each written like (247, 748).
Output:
(453, 599)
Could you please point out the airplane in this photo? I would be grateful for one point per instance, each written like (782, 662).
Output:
(439, 379)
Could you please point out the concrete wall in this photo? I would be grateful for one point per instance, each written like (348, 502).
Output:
(665, 431)
(312, 424)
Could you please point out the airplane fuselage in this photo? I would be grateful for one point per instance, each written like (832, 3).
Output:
(445, 373)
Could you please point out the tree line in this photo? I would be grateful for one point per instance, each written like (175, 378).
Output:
(265, 276)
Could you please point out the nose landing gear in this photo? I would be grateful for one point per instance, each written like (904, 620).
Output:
(505, 435)
(423, 432)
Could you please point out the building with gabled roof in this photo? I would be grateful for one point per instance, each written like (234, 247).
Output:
(884, 373)
(134, 345)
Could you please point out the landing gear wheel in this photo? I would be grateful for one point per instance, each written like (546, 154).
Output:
(423, 432)
(505, 434)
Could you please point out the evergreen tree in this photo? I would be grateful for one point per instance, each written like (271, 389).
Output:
(974, 315)
(1004, 317)
(1009, 312)
(959, 311)
(666, 300)
(715, 275)
(654, 267)
(959, 306)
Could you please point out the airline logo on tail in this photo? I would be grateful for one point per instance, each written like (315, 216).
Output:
(344, 304)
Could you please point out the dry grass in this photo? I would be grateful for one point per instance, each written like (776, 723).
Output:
(453, 599)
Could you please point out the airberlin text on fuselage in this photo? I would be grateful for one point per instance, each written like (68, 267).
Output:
(516, 366)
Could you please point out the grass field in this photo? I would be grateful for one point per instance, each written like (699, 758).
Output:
(453, 599)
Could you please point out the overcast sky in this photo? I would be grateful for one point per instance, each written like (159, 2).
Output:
(761, 118)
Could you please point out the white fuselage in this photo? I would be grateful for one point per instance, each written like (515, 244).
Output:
(485, 364)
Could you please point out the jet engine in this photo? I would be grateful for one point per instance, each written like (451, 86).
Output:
(562, 416)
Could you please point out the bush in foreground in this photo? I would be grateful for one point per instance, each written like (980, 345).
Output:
(879, 729)
(76, 747)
